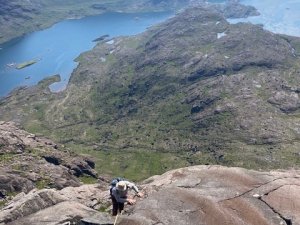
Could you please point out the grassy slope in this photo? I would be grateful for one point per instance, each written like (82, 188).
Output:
(173, 96)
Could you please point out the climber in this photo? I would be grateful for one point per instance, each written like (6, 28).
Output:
(119, 195)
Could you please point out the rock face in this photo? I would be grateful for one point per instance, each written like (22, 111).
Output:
(28, 161)
(211, 195)
(207, 195)
(62, 213)
(49, 206)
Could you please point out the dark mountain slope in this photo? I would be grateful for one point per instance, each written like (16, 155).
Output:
(194, 85)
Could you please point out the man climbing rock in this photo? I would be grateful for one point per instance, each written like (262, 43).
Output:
(119, 195)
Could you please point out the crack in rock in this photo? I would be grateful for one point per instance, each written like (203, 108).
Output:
(275, 189)
(244, 193)
(287, 221)
(238, 196)
(189, 186)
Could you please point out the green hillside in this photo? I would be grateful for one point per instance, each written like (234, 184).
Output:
(193, 90)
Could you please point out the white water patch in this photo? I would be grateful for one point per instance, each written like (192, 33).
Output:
(103, 59)
(59, 61)
(110, 42)
(219, 35)
(277, 16)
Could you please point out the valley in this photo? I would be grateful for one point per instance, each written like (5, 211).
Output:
(178, 89)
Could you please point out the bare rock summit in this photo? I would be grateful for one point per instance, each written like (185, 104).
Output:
(204, 195)
(211, 195)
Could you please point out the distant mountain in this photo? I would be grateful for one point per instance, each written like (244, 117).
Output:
(18, 17)
(195, 86)
(230, 8)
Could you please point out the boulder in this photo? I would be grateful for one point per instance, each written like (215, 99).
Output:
(25, 208)
(12, 183)
(24, 205)
(92, 195)
(287, 102)
(66, 213)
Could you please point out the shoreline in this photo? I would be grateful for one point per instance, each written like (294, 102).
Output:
(87, 9)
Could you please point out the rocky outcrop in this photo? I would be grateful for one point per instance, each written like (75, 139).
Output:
(232, 9)
(13, 183)
(218, 195)
(63, 213)
(51, 206)
(14, 140)
(208, 195)
(23, 205)
(97, 219)
(28, 161)
(286, 101)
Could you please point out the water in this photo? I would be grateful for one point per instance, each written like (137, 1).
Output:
(57, 47)
(216, 1)
(278, 16)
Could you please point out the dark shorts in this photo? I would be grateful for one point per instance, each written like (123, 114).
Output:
(117, 206)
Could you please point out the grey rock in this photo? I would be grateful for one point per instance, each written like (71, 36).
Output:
(12, 183)
(67, 212)
(28, 160)
(211, 195)
(98, 219)
(23, 207)
(31, 203)
(207, 195)
(287, 102)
